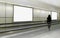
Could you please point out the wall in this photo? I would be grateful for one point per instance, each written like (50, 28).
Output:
(40, 15)
(9, 13)
(58, 15)
(33, 4)
(6, 13)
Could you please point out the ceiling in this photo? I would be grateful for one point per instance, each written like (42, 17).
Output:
(51, 2)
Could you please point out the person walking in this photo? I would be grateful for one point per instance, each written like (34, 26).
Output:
(49, 21)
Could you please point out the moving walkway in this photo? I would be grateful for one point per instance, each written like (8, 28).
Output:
(22, 25)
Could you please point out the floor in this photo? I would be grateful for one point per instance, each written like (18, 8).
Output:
(37, 33)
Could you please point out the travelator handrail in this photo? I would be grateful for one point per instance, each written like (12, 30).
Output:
(16, 24)
(19, 23)
(25, 22)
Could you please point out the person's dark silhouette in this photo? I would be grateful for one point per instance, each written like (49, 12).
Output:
(49, 21)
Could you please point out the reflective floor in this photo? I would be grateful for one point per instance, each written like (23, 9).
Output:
(42, 32)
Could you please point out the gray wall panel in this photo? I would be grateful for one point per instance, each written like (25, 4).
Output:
(2, 20)
(9, 10)
(2, 10)
(6, 13)
(9, 20)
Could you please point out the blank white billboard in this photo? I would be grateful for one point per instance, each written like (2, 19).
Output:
(22, 14)
(54, 15)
